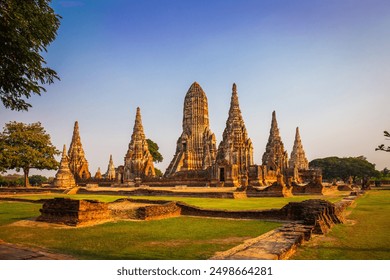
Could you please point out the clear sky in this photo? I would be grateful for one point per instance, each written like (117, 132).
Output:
(323, 65)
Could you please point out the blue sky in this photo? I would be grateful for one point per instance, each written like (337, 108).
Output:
(322, 65)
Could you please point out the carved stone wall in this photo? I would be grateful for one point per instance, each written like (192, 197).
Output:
(195, 148)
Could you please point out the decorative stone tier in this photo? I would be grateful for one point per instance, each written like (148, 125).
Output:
(73, 212)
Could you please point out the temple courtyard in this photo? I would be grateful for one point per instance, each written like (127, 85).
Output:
(192, 227)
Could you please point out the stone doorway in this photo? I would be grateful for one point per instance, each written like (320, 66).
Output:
(222, 174)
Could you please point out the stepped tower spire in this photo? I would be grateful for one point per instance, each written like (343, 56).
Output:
(298, 158)
(138, 160)
(64, 177)
(275, 157)
(110, 174)
(235, 149)
(77, 162)
(195, 148)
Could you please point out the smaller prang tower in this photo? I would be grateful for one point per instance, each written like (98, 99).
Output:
(235, 152)
(275, 158)
(138, 160)
(110, 174)
(298, 158)
(77, 161)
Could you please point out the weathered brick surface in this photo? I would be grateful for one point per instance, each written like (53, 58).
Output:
(73, 212)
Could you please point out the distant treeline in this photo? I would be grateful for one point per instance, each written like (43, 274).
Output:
(16, 180)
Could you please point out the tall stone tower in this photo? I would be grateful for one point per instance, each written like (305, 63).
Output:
(64, 177)
(138, 160)
(77, 161)
(235, 152)
(110, 174)
(275, 157)
(196, 148)
(298, 158)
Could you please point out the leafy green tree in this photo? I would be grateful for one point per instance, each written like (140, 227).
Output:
(26, 146)
(153, 149)
(37, 180)
(382, 147)
(343, 168)
(26, 29)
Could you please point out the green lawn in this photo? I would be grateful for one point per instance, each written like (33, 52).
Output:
(213, 203)
(174, 238)
(258, 203)
(364, 236)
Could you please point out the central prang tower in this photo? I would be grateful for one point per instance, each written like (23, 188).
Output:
(195, 148)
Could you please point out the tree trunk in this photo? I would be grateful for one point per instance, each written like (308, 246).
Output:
(26, 181)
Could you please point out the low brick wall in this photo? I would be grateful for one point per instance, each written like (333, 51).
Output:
(73, 212)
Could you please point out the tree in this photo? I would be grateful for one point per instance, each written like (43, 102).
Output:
(37, 180)
(26, 146)
(343, 168)
(26, 30)
(382, 146)
(153, 149)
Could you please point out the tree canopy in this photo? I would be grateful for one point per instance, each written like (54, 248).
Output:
(382, 147)
(153, 149)
(26, 30)
(26, 146)
(343, 168)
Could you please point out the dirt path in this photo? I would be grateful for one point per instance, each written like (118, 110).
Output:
(10, 251)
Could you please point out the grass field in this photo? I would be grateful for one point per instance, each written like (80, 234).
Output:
(213, 203)
(175, 238)
(364, 236)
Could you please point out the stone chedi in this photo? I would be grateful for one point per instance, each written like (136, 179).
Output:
(77, 161)
(138, 160)
(98, 174)
(196, 147)
(235, 152)
(275, 158)
(64, 177)
(298, 158)
(110, 174)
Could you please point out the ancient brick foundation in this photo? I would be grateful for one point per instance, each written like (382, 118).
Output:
(73, 212)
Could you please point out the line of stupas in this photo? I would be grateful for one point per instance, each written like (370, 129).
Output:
(197, 161)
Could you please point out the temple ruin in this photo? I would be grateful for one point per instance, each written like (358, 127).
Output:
(235, 152)
(195, 148)
(138, 160)
(298, 158)
(64, 177)
(110, 174)
(77, 161)
(198, 163)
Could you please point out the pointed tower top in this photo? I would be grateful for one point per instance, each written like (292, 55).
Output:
(297, 136)
(76, 132)
(234, 88)
(195, 89)
(138, 122)
(274, 124)
(64, 151)
(111, 161)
